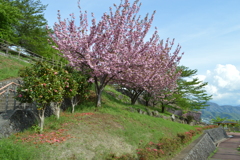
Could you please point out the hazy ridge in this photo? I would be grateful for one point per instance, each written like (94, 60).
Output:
(223, 111)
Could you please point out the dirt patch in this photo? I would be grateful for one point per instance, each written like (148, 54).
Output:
(92, 139)
(104, 120)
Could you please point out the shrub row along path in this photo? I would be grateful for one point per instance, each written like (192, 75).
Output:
(227, 150)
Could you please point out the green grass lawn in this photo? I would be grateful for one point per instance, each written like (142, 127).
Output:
(91, 133)
(9, 67)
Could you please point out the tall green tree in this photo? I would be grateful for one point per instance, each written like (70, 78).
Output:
(9, 17)
(191, 92)
(31, 30)
(189, 95)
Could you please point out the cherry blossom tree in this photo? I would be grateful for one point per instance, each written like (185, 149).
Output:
(115, 47)
(157, 73)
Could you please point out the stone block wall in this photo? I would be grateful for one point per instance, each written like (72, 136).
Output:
(216, 134)
(16, 121)
(201, 148)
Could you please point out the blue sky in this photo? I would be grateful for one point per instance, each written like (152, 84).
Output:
(207, 30)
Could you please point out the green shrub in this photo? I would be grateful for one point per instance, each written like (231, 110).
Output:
(83, 89)
(199, 130)
(164, 148)
(183, 137)
(189, 119)
(167, 146)
(210, 127)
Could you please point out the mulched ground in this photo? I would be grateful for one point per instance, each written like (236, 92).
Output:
(227, 150)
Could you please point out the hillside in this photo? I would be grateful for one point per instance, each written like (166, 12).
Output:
(10, 66)
(90, 133)
(94, 134)
(224, 111)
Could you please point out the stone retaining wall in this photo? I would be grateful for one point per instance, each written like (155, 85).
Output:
(201, 148)
(216, 134)
(16, 121)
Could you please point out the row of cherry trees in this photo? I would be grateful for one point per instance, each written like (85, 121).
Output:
(116, 50)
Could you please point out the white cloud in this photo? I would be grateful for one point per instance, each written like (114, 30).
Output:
(223, 84)
(212, 89)
(227, 77)
(200, 77)
(208, 72)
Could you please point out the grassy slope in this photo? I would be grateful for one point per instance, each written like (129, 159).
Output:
(9, 67)
(111, 129)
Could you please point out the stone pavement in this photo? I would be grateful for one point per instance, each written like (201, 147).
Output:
(227, 150)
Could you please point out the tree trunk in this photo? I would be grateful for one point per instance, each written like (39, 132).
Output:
(163, 108)
(135, 96)
(99, 86)
(57, 112)
(55, 107)
(73, 104)
(73, 108)
(147, 102)
(133, 100)
(99, 95)
(41, 117)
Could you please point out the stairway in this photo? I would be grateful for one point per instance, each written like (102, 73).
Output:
(8, 90)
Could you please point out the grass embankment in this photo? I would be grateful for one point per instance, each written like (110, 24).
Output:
(9, 67)
(90, 133)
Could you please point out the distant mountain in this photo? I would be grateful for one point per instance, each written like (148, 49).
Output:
(224, 111)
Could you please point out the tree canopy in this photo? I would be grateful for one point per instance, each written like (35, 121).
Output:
(193, 95)
(115, 49)
(23, 23)
(31, 32)
(190, 93)
(9, 17)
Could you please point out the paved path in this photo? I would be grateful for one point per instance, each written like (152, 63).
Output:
(227, 150)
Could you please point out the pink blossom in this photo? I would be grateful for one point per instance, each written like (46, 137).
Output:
(115, 49)
(19, 95)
